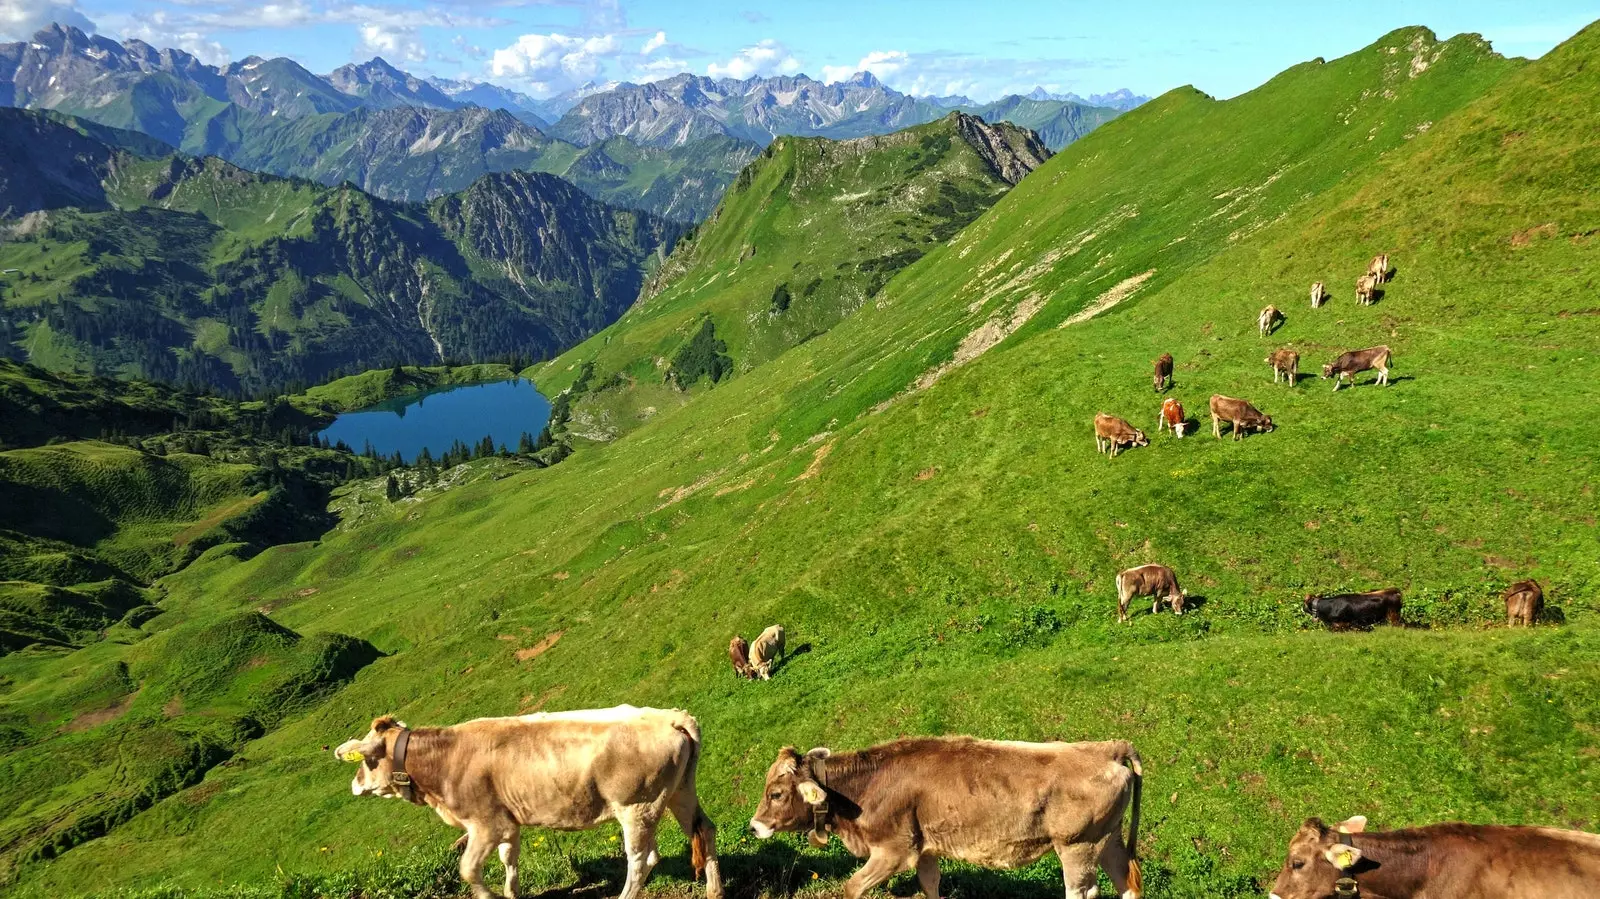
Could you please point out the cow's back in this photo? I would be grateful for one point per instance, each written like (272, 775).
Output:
(1499, 862)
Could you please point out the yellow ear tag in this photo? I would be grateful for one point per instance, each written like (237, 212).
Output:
(1344, 858)
(354, 755)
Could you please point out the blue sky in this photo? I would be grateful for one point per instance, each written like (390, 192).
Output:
(921, 46)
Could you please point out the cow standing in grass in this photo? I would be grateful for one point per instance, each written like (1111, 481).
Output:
(1163, 373)
(1156, 581)
(1239, 414)
(1112, 433)
(1269, 319)
(1172, 416)
(767, 652)
(1350, 364)
(1366, 290)
(1285, 363)
(739, 655)
(1524, 603)
(1378, 268)
(1346, 610)
(1319, 295)
(566, 770)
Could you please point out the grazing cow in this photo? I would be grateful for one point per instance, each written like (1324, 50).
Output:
(1238, 413)
(1458, 861)
(565, 770)
(1111, 432)
(1524, 603)
(1172, 416)
(904, 805)
(739, 654)
(1378, 268)
(1319, 295)
(767, 652)
(1350, 364)
(1155, 581)
(1345, 610)
(1163, 376)
(1269, 318)
(1285, 363)
(1366, 289)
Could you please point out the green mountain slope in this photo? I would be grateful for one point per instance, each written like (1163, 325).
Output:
(193, 271)
(913, 494)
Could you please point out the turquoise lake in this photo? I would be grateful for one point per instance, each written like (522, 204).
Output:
(437, 419)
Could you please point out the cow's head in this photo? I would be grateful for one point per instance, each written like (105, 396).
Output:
(791, 794)
(1310, 607)
(1327, 371)
(1264, 423)
(1139, 439)
(1317, 859)
(375, 770)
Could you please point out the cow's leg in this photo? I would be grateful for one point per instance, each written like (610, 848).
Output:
(699, 829)
(510, 850)
(1115, 860)
(928, 875)
(1079, 864)
(1216, 426)
(881, 865)
(639, 842)
(480, 842)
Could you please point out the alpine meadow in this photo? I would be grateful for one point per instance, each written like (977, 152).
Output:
(822, 354)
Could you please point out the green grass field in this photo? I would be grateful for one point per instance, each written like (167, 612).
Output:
(914, 495)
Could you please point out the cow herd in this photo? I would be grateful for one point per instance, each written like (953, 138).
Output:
(901, 806)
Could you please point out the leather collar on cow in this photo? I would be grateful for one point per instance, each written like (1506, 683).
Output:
(1346, 887)
(398, 776)
(818, 768)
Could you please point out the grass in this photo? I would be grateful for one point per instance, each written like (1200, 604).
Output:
(947, 550)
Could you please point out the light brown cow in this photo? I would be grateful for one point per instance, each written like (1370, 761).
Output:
(1319, 295)
(739, 654)
(1155, 581)
(1172, 416)
(1378, 268)
(1269, 318)
(767, 652)
(1350, 364)
(1238, 413)
(1163, 373)
(1112, 433)
(1524, 603)
(1285, 363)
(1366, 290)
(566, 770)
(904, 805)
(1449, 861)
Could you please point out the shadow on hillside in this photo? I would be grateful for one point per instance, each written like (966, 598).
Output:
(1551, 615)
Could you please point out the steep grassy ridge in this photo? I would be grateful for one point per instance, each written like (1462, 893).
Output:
(943, 538)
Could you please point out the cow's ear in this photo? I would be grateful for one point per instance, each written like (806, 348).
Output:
(811, 793)
(359, 750)
(821, 752)
(379, 725)
(1358, 824)
(1342, 857)
(788, 760)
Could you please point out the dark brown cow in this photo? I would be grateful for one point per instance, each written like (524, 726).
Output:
(739, 654)
(1163, 375)
(1239, 414)
(1346, 610)
(1524, 603)
(1285, 363)
(1156, 581)
(904, 805)
(1447, 861)
(1112, 433)
(1350, 364)
(1172, 416)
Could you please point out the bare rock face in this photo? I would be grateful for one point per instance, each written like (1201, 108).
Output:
(1011, 151)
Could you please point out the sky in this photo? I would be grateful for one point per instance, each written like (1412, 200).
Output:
(926, 47)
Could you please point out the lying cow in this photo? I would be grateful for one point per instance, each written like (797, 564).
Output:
(1524, 603)
(1350, 364)
(1366, 290)
(1163, 374)
(1378, 268)
(1457, 861)
(1239, 414)
(1112, 433)
(767, 652)
(1319, 295)
(1285, 363)
(1172, 416)
(1155, 581)
(739, 654)
(904, 805)
(566, 770)
(1269, 318)
(1345, 610)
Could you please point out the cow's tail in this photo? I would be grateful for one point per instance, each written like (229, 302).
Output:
(1130, 757)
(703, 834)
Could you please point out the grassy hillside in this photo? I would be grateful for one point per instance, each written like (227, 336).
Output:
(914, 496)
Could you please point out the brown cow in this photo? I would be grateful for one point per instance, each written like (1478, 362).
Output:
(1449, 861)
(1285, 363)
(906, 804)
(1524, 603)
(1319, 295)
(1163, 375)
(1111, 432)
(1155, 581)
(1378, 268)
(1238, 413)
(567, 770)
(1366, 289)
(739, 654)
(1269, 318)
(1350, 364)
(767, 652)
(1172, 416)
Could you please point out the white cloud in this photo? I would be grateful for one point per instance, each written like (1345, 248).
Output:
(655, 43)
(552, 62)
(394, 44)
(656, 69)
(882, 63)
(765, 58)
(22, 19)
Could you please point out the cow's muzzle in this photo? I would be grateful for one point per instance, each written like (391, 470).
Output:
(760, 829)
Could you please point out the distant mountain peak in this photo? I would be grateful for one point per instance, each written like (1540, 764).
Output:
(864, 79)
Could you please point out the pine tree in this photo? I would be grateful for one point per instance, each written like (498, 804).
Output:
(391, 489)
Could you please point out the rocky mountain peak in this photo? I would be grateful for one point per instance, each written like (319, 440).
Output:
(1011, 151)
